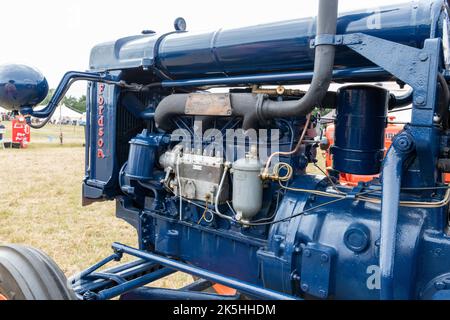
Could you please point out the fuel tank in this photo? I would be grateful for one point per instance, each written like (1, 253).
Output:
(21, 85)
(269, 48)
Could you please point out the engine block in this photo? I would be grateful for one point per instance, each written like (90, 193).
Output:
(195, 176)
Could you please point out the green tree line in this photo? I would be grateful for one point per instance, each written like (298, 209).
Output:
(77, 104)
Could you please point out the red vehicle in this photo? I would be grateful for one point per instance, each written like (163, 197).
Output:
(21, 132)
(353, 179)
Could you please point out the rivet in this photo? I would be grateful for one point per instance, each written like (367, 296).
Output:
(423, 57)
(420, 100)
(322, 294)
(436, 119)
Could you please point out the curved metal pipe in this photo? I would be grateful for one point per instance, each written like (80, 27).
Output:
(323, 70)
(137, 108)
(401, 101)
(174, 105)
(244, 105)
(65, 84)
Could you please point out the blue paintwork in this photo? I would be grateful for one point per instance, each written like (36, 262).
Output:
(21, 86)
(393, 167)
(267, 48)
(143, 153)
(343, 250)
(242, 286)
(348, 74)
(166, 294)
(100, 179)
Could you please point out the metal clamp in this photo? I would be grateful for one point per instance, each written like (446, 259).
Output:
(335, 40)
(326, 39)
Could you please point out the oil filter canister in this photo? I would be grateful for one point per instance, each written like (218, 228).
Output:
(361, 121)
(247, 187)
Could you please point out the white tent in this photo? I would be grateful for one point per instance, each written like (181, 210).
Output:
(64, 114)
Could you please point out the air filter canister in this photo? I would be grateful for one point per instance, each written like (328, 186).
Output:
(360, 127)
(142, 155)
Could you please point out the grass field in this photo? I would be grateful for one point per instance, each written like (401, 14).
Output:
(40, 204)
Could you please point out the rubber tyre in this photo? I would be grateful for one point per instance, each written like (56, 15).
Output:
(29, 274)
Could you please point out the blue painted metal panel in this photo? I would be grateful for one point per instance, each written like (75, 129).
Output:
(268, 48)
(101, 179)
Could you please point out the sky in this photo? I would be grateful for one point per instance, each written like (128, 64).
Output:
(57, 36)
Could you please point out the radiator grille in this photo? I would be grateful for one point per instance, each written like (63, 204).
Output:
(128, 127)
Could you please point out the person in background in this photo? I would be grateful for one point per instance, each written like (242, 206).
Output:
(2, 132)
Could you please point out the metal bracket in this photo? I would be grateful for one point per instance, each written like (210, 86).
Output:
(418, 68)
(147, 63)
(317, 261)
(326, 39)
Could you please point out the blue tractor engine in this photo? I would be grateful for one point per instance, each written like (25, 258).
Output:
(209, 163)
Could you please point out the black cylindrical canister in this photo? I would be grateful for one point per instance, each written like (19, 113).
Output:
(361, 121)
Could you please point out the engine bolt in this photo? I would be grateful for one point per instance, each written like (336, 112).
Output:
(324, 258)
(436, 119)
(420, 100)
(423, 57)
(322, 294)
(307, 253)
(305, 287)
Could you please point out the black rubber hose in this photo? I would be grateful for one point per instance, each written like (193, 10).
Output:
(396, 102)
(136, 107)
(444, 100)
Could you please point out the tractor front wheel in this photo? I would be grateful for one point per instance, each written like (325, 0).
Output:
(29, 274)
